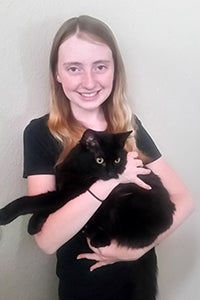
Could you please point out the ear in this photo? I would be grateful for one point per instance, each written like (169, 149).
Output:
(89, 139)
(58, 77)
(122, 137)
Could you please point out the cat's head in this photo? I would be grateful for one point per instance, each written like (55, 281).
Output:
(104, 152)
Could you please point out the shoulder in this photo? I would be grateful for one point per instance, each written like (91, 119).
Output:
(137, 123)
(41, 149)
(37, 136)
(38, 131)
(144, 142)
(38, 125)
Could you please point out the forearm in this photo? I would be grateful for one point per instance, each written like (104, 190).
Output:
(114, 252)
(184, 207)
(179, 195)
(63, 224)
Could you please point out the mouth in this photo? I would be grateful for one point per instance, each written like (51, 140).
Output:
(89, 95)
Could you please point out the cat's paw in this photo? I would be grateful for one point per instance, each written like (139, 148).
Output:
(35, 223)
(33, 230)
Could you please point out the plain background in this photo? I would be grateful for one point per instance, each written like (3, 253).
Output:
(160, 43)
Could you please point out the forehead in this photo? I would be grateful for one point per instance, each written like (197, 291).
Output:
(77, 49)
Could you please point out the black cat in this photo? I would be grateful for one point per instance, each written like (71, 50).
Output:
(131, 215)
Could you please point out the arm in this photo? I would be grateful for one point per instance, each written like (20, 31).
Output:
(63, 224)
(179, 193)
(40, 155)
(184, 206)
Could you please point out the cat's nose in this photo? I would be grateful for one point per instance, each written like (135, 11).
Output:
(112, 174)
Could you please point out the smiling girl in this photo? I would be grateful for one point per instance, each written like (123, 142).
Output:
(88, 90)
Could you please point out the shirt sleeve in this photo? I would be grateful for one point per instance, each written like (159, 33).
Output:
(40, 149)
(145, 143)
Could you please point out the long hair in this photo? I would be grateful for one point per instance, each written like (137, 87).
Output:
(63, 126)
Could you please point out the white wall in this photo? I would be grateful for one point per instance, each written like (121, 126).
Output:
(160, 44)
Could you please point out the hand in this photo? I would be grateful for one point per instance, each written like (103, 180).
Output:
(134, 167)
(111, 254)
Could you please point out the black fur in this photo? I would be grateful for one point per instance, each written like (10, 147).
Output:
(131, 215)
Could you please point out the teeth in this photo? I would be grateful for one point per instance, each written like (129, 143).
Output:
(89, 94)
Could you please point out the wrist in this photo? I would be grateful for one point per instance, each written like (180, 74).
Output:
(102, 188)
(97, 198)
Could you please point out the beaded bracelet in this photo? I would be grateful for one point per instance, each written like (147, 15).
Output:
(95, 196)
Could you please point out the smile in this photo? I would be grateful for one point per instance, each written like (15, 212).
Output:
(89, 95)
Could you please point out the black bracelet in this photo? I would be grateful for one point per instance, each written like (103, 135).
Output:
(95, 196)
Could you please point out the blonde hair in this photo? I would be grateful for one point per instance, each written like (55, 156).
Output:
(118, 115)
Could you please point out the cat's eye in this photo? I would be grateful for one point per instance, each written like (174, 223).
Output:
(100, 160)
(117, 160)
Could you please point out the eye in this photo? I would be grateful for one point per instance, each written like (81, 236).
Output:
(72, 69)
(100, 160)
(117, 160)
(101, 68)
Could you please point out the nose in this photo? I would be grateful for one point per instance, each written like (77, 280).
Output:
(112, 174)
(88, 80)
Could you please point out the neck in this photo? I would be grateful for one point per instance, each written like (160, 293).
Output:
(93, 119)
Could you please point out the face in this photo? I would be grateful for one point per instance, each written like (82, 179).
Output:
(85, 69)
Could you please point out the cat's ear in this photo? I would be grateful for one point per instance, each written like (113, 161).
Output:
(89, 139)
(122, 137)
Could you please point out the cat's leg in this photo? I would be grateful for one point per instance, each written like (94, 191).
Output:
(36, 222)
(50, 202)
(21, 206)
(3, 217)
(8, 214)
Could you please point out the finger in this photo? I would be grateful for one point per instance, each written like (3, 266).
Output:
(97, 265)
(100, 264)
(133, 154)
(94, 249)
(143, 171)
(142, 184)
(92, 256)
(138, 162)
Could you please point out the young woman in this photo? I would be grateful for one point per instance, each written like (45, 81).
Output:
(88, 90)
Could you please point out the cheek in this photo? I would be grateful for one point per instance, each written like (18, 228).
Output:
(108, 85)
(109, 80)
(67, 83)
(106, 82)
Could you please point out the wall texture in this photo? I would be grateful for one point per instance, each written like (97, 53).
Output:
(160, 44)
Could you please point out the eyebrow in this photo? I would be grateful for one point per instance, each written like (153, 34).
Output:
(76, 63)
(66, 64)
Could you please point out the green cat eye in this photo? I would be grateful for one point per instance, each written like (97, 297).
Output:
(100, 160)
(117, 160)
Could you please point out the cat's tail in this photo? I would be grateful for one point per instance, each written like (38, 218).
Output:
(47, 202)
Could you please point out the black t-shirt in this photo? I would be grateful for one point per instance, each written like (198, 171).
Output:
(41, 149)
(76, 282)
